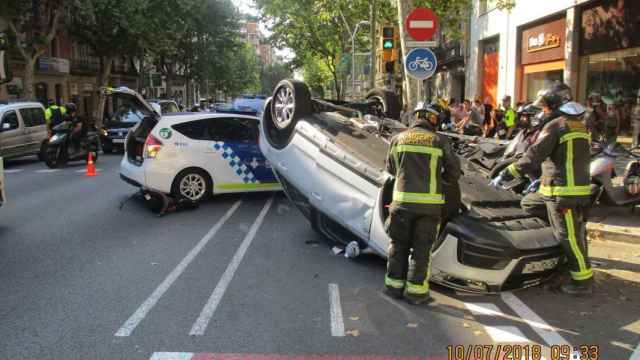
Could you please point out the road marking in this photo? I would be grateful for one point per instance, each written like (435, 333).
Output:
(47, 171)
(13, 171)
(337, 322)
(139, 315)
(546, 331)
(200, 326)
(171, 356)
(506, 334)
(483, 309)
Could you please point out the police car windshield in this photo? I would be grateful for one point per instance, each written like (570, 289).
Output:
(128, 115)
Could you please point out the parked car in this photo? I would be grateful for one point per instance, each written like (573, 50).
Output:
(194, 155)
(330, 158)
(3, 196)
(22, 129)
(250, 102)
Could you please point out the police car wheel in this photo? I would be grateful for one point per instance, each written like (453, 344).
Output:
(291, 101)
(192, 184)
(387, 102)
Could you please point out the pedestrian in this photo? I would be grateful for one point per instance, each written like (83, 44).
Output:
(53, 115)
(420, 161)
(508, 116)
(489, 125)
(635, 121)
(596, 117)
(564, 195)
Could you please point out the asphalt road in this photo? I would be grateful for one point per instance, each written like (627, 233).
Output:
(245, 274)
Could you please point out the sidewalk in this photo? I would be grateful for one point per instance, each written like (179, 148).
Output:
(614, 224)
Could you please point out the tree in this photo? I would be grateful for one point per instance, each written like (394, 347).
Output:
(111, 28)
(317, 76)
(34, 24)
(318, 29)
(272, 74)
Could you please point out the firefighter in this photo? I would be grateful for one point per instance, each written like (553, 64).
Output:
(420, 160)
(562, 150)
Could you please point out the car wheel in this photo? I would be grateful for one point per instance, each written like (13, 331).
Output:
(42, 154)
(192, 184)
(388, 102)
(291, 101)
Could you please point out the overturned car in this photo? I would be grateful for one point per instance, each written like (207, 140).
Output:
(329, 157)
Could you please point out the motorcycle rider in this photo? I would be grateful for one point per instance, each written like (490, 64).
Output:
(54, 114)
(420, 160)
(76, 125)
(562, 150)
(596, 118)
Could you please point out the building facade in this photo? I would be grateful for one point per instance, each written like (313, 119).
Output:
(591, 45)
(66, 72)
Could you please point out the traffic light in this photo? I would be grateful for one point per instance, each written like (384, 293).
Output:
(388, 43)
(389, 67)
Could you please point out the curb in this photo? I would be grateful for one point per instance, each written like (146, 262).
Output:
(599, 232)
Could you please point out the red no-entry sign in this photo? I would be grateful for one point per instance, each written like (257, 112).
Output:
(421, 24)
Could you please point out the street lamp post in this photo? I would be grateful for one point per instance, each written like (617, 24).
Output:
(353, 55)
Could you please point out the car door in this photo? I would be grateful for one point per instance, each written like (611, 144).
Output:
(35, 128)
(235, 145)
(11, 134)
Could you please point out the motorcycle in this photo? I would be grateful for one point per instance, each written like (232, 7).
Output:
(62, 148)
(602, 172)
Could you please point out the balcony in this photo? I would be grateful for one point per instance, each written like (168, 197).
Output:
(450, 52)
(85, 66)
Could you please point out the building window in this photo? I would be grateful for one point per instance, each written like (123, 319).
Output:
(487, 5)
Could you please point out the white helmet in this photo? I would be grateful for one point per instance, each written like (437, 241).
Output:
(572, 108)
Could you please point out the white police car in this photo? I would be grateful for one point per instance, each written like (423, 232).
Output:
(193, 155)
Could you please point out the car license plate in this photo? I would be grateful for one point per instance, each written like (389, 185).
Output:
(540, 266)
(118, 141)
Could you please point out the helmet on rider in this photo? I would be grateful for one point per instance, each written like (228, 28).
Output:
(553, 97)
(427, 112)
(528, 109)
(50, 102)
(572, 109)
(71, 107)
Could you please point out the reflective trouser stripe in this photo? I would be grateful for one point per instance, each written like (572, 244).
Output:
(418, 198)
(569, 165)
(513, 171)
(396, 284)
(584, 272)
(423, 289)
(565, 190)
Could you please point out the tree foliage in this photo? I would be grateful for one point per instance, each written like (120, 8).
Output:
(270, 75)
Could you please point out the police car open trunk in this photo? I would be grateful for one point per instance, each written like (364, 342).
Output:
(125, 99)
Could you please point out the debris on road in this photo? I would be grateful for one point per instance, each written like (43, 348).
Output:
(336, 250)
(352, 250)
(354, 333)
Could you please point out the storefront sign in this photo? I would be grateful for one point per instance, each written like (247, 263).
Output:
(610, 25)
(543, 41)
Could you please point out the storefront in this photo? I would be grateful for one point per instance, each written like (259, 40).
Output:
(610, 55)
(490, 62)
(542, 57)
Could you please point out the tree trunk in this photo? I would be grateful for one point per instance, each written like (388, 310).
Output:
(337, 86)
(410, 86)
(106, 64)
(372, 34)
(29, 70)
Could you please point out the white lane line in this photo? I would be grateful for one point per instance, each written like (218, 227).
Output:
(483, 309)
(200, 326)
(47, 171)
(506, 334)
(636, 354)
(139, 315)
(546, 331)
(171, 356)
(337, 322)
(13, 171)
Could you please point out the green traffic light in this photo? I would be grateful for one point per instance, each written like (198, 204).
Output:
(387, 44)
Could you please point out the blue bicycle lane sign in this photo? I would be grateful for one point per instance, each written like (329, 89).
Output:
(420, 63)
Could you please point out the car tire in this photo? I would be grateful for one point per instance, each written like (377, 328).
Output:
(42, 154)
(291, 101)
(388, 100)
(192, 184)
